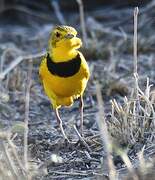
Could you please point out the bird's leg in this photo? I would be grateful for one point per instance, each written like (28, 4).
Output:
(81, 113)
(60, 124)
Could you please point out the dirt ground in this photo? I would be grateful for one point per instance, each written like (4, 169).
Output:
(109, 53)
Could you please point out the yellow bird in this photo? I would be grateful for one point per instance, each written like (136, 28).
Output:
(64, 71)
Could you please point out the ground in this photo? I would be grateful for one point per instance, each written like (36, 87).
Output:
(109, 53)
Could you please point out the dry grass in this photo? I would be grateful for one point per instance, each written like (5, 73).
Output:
(125, 136)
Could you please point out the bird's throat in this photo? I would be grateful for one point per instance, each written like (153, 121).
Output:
(62, 55)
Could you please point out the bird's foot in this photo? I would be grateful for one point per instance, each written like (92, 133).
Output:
(80, 128)
(64, 135)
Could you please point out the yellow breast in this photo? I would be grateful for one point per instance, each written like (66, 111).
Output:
(65, 86)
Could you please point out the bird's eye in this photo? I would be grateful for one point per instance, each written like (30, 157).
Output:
(58, 34)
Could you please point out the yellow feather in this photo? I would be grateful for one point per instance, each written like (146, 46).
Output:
(63, 90)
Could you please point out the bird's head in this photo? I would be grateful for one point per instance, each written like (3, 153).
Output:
(64, 37)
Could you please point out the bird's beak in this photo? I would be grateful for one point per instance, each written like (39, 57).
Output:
(77, 43)
(69, 36)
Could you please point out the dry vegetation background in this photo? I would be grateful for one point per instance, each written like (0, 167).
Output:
(117, 101)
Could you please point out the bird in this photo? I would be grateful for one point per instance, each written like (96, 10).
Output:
(64, 71)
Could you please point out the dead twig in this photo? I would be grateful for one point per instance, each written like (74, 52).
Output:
(16, 156)
(82, 21)
(99, 27)
(58, 13)
(27, 106)
(135, 50)
(19, 60)
(10, 162)
(81, 139)
(104, 133)
(26, 10)
(71, 173)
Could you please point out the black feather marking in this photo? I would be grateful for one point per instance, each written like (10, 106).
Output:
(64, 69)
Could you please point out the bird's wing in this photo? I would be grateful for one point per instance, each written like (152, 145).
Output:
(41, 68)
(86, 71)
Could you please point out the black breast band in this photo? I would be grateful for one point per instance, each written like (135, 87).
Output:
(64, 69)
